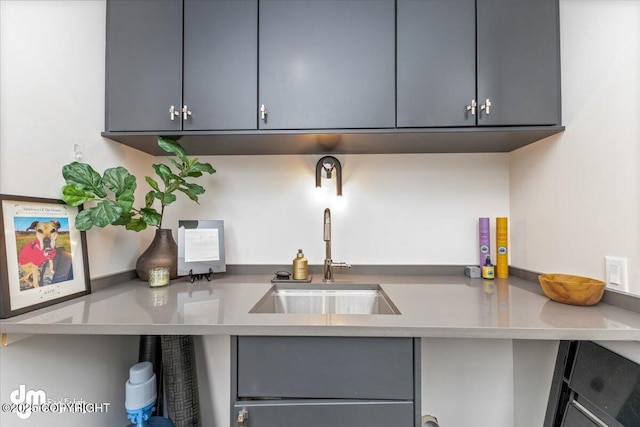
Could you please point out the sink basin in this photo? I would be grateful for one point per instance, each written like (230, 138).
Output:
(329, 298)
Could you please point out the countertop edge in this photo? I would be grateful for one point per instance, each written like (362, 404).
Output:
(351, 331)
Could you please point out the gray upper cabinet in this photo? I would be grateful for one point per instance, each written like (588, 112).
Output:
(150, 88)
(389, 76)
(436, 62)
(144, 65)
(327, 64)
(494, 65)
(220, 64)
(518, 62)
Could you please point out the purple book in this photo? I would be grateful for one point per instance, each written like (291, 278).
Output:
(483, 228)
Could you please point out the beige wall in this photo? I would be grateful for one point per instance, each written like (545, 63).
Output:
(575, 197)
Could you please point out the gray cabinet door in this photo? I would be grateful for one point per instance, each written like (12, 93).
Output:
(326, 367)
(518, 62)
(327, 413)
(327, 64)
(220, 64)
(144, 65)
(436, 56)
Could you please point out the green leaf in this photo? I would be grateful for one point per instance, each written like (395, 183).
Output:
(168, 198)
(83, 220)
(149, 198)
(173, 147)
(174, 186)
(119, 180)
(198, 168)
(74, 195)
(84, 177)
(105, 213)
(178, 166)
(124, 219)
(151, 216)
(189, 194)
(136, 224)
(152, 182)
(194, 188)
(126, 200)
(163, 172)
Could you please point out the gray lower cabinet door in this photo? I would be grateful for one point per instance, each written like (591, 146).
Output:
(325, 414)
(518, 62)
(144, 65)
(220, 64)
(327, 64)
(436, 56)
(326, 367)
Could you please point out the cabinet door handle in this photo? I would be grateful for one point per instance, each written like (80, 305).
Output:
(173, 112)
(486, 106)
(185, 112)
(472, 107)
(242, 415)
(263, 113)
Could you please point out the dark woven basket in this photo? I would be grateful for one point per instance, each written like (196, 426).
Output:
(180, 380)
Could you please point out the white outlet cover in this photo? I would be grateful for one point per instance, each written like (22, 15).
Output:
(616, 276)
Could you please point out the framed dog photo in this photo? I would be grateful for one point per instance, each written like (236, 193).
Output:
(43, 257)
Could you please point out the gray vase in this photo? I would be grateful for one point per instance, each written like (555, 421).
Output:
(162, 252)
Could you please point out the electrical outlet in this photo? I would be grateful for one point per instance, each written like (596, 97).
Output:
(616, 273)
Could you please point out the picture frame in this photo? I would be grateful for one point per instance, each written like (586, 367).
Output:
(43, 256)
(201, 248)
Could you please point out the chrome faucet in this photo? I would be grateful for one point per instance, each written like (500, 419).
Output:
(329, 265)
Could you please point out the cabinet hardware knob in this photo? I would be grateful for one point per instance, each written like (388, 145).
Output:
(263, 113)
(486, 106)
(185, 112)
(242, 415)
(472, 107)
(173, 112)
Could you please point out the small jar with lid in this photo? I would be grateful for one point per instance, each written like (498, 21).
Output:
(488, 270)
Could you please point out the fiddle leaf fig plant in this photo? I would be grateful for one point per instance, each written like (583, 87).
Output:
(111, 195)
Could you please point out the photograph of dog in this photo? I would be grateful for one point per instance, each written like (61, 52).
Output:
(44, 251)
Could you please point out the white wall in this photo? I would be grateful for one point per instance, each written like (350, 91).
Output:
(575, 197)
(395, 209)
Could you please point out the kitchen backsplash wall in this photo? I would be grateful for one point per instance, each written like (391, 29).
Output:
(395, 209)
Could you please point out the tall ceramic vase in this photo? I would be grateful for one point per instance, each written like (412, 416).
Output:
(162, 252)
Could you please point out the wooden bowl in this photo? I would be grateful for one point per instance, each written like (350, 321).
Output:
(574, 290)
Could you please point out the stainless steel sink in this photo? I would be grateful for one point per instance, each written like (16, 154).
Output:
(330, 298)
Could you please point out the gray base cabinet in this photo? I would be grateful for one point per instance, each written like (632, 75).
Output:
(325, 381)
(325, 414)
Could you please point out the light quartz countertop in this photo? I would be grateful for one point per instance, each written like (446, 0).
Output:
(431, 306)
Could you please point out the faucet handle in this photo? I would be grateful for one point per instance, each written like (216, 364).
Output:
(340, 265)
